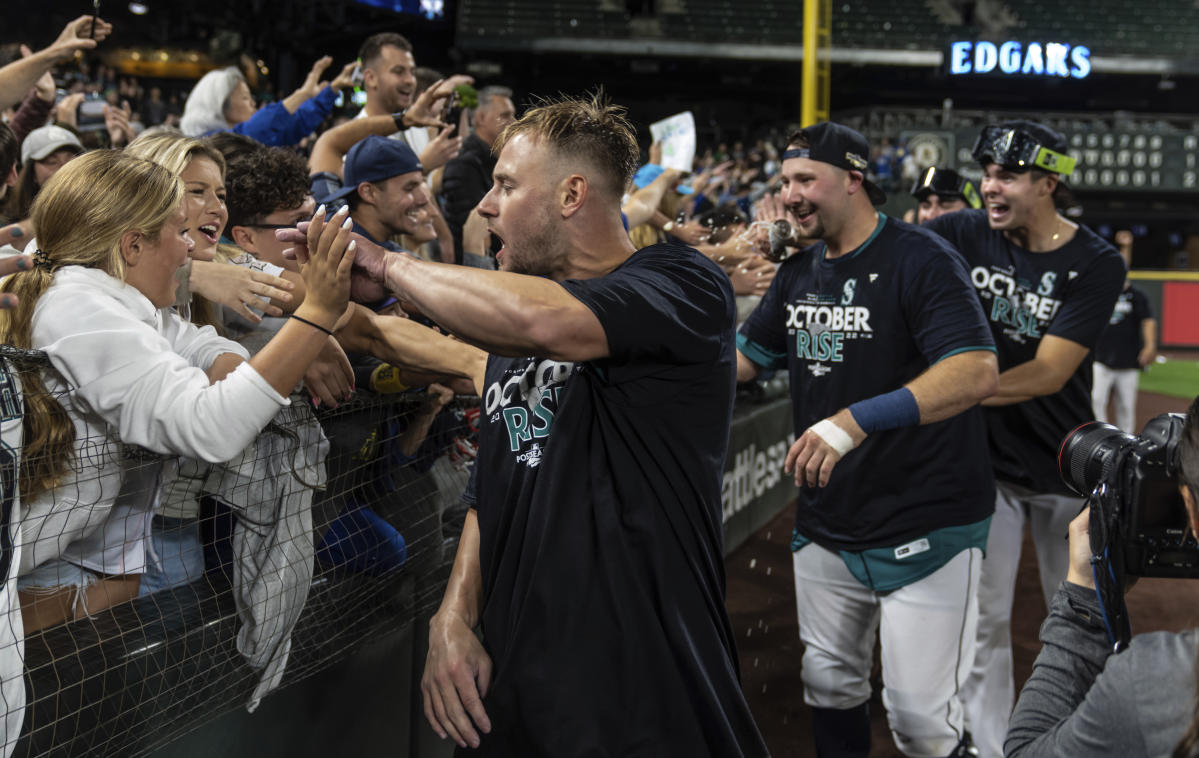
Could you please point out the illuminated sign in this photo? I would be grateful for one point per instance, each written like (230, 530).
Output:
(1020, 58)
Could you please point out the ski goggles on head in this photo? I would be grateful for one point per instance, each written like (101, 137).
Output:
(946, 183)
(1016, 150)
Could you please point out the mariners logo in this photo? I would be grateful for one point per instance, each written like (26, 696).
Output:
(847, 291)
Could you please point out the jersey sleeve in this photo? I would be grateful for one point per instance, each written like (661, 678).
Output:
(763, 336)
(1087, 307)
(661, 307)
(942, 310)
(1141, 307)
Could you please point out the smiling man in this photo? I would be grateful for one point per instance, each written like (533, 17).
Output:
(1048, 286)
(593, 560)
(889, 355)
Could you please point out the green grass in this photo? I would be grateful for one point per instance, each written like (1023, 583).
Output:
(1176, 378)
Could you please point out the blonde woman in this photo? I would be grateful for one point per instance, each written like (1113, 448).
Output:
(128, 371)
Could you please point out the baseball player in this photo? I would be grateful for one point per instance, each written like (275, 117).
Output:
(1126, 347)
(888, 353)
(1048, 286)
(941, 191)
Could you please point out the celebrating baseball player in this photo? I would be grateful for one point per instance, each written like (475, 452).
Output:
(889, 353)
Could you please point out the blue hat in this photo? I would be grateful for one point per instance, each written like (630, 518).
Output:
(652, 171)
(375, 159)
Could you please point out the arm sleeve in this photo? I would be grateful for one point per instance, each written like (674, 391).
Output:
(1087, 306)
(763, 336)
(1072, 704)
(132, 377)
(273, 126)
(198, 345)
(663, 307)
(942, 310)
(33, 113)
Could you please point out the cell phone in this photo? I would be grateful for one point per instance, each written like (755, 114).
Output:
(356, 77)
(90, 115)
(453, 109)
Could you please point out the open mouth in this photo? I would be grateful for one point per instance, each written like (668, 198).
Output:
(209, 232)
(503, 248)
(998, 212)
(804, 214)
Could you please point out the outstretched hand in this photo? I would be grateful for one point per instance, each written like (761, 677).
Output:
(369, 269)
(327, 262)
(425, 111)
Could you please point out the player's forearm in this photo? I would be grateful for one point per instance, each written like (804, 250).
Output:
(503, 313)
(747, 370)
(464, 593)
(955, 384)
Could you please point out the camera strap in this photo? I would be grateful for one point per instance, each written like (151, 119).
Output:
(1107, 564)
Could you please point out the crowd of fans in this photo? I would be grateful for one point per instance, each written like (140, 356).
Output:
(146, 257)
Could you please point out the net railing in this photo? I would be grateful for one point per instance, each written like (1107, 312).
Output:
(336, 526)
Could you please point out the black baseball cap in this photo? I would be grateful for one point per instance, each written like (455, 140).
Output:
(839, 146)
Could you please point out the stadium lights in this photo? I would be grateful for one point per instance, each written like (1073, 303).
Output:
(138, 9)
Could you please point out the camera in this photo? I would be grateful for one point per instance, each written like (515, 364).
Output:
(1142, 525)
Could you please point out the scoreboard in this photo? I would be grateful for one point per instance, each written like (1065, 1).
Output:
(1120, 160)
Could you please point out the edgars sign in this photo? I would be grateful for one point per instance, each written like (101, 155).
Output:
(1019, 58)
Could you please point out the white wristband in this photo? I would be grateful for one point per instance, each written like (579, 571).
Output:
(836, 437)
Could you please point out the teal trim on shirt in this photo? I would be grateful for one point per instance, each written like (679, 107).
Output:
(878, 228)
(885, 569)
(758, 354)
(971, 349)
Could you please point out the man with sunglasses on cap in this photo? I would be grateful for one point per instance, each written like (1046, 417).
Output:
(889, 354)
(941, 191)
(1048, 287)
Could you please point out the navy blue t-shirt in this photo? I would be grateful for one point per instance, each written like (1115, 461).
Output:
(1069, 293)
(1121, 342)
(598, 498)
(861, 325)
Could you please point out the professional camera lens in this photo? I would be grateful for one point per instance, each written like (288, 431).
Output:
(1087, 453)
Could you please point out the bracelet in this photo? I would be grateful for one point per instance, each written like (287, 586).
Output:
(891, 410)
(668, 227)
(314, 326)
(398, 117)
(836, 437)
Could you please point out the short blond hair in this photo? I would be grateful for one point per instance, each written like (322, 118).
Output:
(592, 129)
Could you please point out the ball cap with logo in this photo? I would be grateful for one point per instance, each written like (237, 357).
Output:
(375, 159)
(838, 146)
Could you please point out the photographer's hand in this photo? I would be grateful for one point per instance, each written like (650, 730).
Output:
(1080, 551)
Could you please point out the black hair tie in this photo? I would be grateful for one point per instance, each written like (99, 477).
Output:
(41, 259)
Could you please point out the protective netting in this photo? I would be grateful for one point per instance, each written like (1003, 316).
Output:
(334, 527)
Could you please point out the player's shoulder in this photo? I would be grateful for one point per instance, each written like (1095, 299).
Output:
(1098, 253)
(917, 246)
(681, 264)
(966, 224)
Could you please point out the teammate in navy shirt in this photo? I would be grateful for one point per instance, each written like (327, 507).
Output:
(1125, 348)
(888, 354)
(593, 556)
(1047, 286)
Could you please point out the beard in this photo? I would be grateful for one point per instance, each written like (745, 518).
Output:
(542, 254)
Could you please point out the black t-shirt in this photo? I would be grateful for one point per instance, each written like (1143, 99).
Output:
(1069, 293)
(599, 511)
(1121, 342)
(858, 326)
